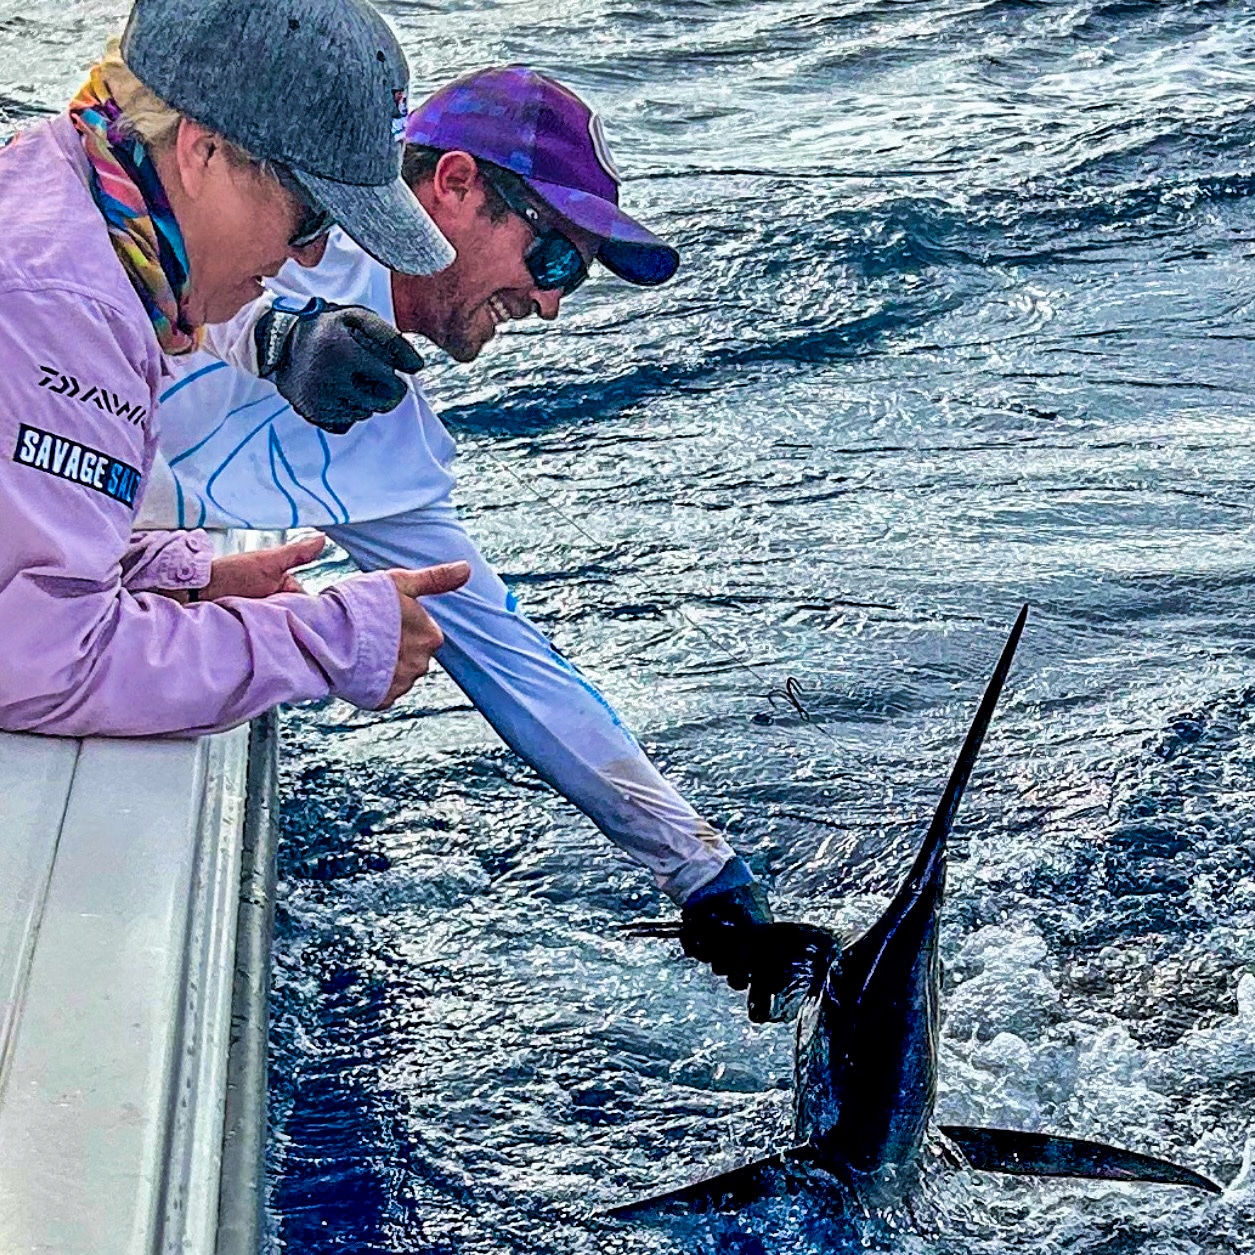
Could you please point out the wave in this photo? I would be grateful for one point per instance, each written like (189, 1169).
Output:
(533, 408)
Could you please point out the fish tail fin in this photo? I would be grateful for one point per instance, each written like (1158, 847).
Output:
(760, 1178)
(1039, 1154)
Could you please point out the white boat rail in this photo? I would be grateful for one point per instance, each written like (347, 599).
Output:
(135, 925)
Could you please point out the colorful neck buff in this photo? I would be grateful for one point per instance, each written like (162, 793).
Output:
(129, 195)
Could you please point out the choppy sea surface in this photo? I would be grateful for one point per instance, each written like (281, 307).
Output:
(965, 320)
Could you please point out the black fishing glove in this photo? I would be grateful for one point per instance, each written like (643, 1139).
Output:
(334, 364)
(723, 928)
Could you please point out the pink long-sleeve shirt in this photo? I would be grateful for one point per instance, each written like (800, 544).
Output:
(84, 649)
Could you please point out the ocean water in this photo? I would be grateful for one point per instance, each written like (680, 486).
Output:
(965, 320)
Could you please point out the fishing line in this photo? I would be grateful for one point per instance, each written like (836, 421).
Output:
(793, 689)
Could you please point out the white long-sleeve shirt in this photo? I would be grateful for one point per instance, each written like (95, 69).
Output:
(239, 456)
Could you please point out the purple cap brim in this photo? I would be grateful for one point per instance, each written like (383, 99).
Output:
(631, 251)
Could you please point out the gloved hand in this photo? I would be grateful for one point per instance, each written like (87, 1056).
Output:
(722, 924)
(334, 364)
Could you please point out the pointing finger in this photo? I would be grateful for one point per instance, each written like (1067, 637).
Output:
(299, 552)
(383, 340)
(402, 356)
(431, 580)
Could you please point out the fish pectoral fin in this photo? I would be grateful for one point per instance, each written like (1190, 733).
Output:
(761, 1178)
(1041, 1155)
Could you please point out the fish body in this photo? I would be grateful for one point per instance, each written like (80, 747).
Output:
(866, 1066)
(868, 1027)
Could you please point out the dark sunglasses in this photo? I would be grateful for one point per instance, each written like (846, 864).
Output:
(315, 221)
(554, 263)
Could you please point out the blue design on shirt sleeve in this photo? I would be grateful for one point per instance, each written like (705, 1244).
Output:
(272, 447)
(512, 606)
(326, 468)
(209, 483)
(187, 379)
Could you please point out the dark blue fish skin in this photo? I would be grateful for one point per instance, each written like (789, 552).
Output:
(866, 1076)
(869, 1023)
(866, 1080)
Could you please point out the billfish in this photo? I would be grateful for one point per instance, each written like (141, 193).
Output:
(865, 1073)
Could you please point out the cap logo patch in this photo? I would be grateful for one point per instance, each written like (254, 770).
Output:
(400, 110)
(600, 149)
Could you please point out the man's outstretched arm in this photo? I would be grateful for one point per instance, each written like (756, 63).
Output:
(547, 712)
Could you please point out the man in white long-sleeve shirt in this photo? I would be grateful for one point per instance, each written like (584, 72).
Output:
(514, 170)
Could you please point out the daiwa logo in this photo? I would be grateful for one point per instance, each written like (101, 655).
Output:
(69, 387)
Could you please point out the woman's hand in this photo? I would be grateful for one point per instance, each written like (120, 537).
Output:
(420, 636)
(262, 572)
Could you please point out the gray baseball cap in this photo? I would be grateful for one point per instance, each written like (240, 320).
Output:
(318, 86)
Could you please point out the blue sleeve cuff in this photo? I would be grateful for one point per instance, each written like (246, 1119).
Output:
(735, 873)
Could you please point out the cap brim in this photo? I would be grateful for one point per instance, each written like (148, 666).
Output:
(631, 251)
(386, 220)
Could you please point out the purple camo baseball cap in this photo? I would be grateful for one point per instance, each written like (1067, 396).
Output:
(530, 124)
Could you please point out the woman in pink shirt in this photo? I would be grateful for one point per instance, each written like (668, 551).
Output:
(218, 140)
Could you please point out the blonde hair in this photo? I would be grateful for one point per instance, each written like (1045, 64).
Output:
(144, 114)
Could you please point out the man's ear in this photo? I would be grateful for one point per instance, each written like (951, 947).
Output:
(194, 147)
(455, 184)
